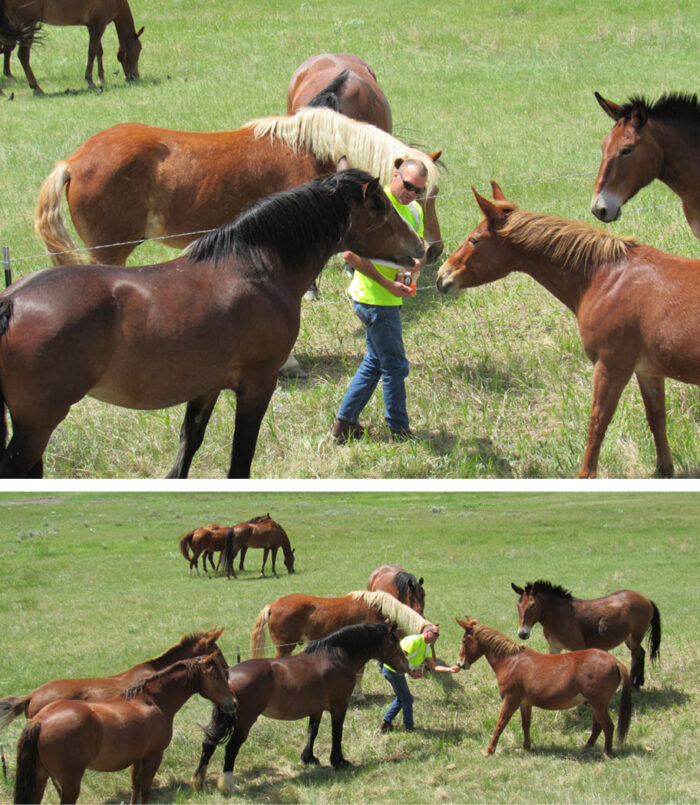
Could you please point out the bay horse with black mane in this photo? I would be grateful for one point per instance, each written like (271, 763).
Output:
(320, 678)
(619, 291)
(207, 540)
(133, 729)
(95, 15)
(195, 644)
(576, 623)
(396, 581)
(528, 679)
(184, 330)
(659, 140)
(260, 532)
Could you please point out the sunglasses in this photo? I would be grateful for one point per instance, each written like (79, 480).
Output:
(411, 187)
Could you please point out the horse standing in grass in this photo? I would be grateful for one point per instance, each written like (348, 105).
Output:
(95, 15)
(320, 678)
(576, 623)
(650, 141)
(394, 580)
(134, 729)
(207, 540)
(638, 309)
(260, 532)
(528, 679)
(196, 644)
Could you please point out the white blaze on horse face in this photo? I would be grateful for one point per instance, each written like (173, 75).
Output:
(606, 206)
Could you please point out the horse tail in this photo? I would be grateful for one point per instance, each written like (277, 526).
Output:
(48, 223)
(186, 544)
(257, 638)
(11, 707)
(328, 96)
(228, 554)
(624, 714)
(27, 761)
(655, 633)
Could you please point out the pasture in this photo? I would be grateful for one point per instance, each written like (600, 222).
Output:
(93, 583)
(499, 386)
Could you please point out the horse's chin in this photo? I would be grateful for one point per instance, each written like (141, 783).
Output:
(448, 286)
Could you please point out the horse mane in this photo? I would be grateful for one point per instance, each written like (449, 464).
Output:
(681, 106)
(577, 243)
(292, 222)
(259, 518)
(328, 96)
(547, 588)
(185, 640)
(348, 640)
(190, 667)
(403, 581)
(496, 641)
(407, 619)
(330, 135)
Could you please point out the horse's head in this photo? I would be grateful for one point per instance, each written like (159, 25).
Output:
(416, 595)
(128, 54)
(214, 682)
(482, 257)
(289, 561)
(391, 653)
(431, 225)
(529, 610)
(470, 650)
(630, 159)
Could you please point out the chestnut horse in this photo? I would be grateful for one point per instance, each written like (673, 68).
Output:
(260, 532)
(576, 623)
(343, 82)
(191, 645)
(319, 678)
(132, 182)
(527, 678)
(134, 729)
(184, 330)
(650, 141)
(207, 540)
(396, 581)
(95, 15)
(619, 291)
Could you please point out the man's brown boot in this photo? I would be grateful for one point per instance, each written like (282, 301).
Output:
(343, 430)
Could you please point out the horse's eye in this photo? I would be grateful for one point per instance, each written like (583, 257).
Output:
(626, 152)
(472, 241)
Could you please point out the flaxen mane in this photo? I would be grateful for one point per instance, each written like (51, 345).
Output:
(407, 619)
(548, 588)
(330, 136)
(501, 645)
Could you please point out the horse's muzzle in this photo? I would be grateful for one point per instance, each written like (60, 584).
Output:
(524, 633)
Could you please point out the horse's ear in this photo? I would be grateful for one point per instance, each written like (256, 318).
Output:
(496, 193)
(639, 115)
(138, 34)
(217, 633)
(420, 581)
(517, 590)
(435, 156)
(370, 188)
(491, 211)
(398, 162)
(464, 625)
(342, 164)
(611, 109)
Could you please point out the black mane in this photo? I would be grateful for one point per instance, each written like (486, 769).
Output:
(680, 106)
(350, 640)
(328, 96)
(548, 588)
(297, 224)
(405, 582)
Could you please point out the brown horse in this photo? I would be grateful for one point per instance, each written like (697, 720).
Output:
(132, 182)
(191, 645)
(134, 729)
(181, 331)
(647, 142)
(619, 291)
(528, 679)
(95, 15)
(319, 678)
(260, 532)
(396, 581)
(344, 82)
(576, 623)
(207, 540)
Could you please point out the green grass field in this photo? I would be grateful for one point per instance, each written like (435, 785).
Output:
(92, 583)
(500, 387)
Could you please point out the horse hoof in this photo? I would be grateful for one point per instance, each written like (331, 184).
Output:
(312, 760)
(311, 295)
(341, 764)
(197, 782)
(292, 368)
(225, 783)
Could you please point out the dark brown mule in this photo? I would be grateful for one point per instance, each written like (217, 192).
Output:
(207, 540)
(650, 141)
(575, 623)
(184, 330)
(132, 181)
(95, 15)
(260, 532)
(196, 644)
(394, 580)
(618, 290)
(134, 729)
(528, 679)
(319, 678)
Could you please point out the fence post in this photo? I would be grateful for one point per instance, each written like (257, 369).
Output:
(6, 263)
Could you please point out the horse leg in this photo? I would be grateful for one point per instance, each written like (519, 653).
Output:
(197, 416)
(509, 706)
(637, 664)
(95, 51)
(23, 55)
(142, 774)
(262, 569)
(337, 721)
(602, 719)
(250, 410)
(307, 754)
(595, 732)
(225, 783)
(607, 388)
(654, 397)
(274, 560)
(244, 551)
(526, 718)
(23, 456)
(7, 52)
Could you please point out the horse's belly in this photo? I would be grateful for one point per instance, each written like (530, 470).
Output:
(291, 710)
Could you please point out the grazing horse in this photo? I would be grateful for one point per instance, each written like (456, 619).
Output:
(184, 330)
(650, 141)
(196, 644)
(576, 623)
(132, 182)
(260, 532)
(319, 678)
(396, 581)
(133, 729)
(618, 289)
(528, 679)
(95, 15)
(207, 540)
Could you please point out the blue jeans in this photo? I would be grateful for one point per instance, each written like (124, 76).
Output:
(385, 359)
(403, 700)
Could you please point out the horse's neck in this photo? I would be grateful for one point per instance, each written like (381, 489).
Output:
(124, 20)
(567, 284)
(557, 611)
(678, 145)
(172, 691)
